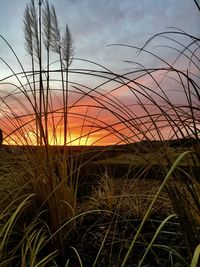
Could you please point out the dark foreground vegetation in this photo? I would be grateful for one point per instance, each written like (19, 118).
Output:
(135, 203)
(109, 192)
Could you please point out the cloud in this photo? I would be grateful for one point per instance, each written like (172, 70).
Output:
(95, 24)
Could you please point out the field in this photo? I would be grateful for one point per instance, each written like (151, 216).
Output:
(115, 187)
(67, 199)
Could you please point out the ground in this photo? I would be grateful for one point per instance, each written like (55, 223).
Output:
(116, 188)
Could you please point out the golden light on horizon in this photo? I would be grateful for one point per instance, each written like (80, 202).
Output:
(30, 138)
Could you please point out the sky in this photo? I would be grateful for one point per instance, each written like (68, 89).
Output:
(95, 24)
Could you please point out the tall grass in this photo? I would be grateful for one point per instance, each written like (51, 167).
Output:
(39, 107)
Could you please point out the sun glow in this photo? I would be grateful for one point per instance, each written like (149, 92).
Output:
(30, 138)
(72, 140)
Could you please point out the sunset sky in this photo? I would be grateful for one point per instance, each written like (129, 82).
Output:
(95, 24)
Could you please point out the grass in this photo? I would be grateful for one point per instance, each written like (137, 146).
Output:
(133, 203)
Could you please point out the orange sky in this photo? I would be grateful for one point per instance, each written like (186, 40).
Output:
(96, 116)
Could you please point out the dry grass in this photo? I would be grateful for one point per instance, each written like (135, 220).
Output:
(43, 221)
(130, 198)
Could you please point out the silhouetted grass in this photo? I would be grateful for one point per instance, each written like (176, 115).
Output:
(44, 218)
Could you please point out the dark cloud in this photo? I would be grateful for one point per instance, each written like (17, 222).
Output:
(95, 24)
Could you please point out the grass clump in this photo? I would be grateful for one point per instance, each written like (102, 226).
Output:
(98, 206)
